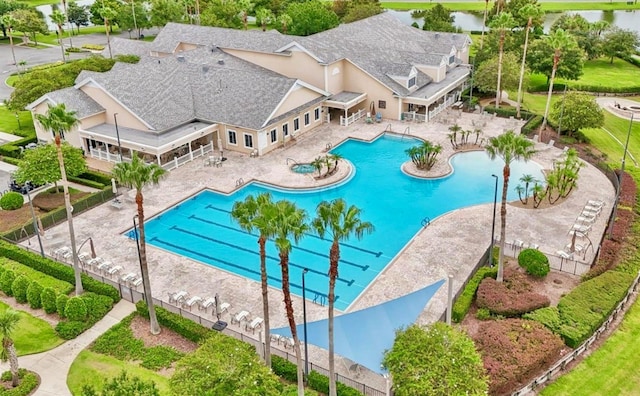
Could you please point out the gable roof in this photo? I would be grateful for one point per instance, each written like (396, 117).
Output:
(73, 99)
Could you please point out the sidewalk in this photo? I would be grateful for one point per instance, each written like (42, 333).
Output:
(53, 366)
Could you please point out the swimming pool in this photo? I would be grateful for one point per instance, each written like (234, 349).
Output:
(201, 226)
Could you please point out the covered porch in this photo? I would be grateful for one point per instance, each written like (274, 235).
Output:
(340, 104)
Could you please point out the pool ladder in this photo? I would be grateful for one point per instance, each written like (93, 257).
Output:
(425, 222)
(292, 160)
(407, 131)
(320, 299)
(328, 146)
(239, 182)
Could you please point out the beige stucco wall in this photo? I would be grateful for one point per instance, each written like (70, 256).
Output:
(111, 106)
(93, 120)
(356, 80)
(437, 73)
(185, 47)
(270, 146)
(45, 135)
(335, 76)
(297, 96)
(296, 65)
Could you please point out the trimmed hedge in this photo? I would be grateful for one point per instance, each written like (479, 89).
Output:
(318, 382)
(61, 304)
(97, 177)
(532, 125)
(187, 328)
(534, 262)
(506, 113)
(75, 309)
(34, 293)
(559, 87)
(56, 270)
(511, 298)
(48, 300)
(96, 307)
(11, 160)
(86, 182)
(29, 381)
(11, 201)
(13, 149)
(464, 301)
(19, 288)
(6, 280)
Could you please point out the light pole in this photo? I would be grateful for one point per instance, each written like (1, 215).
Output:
(493, 223)
(135, 231)
(304, 319)
(624, 158)
(115, 121)
(18, 119)
(34, 219)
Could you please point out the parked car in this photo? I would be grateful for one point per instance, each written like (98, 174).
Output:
(21, 188)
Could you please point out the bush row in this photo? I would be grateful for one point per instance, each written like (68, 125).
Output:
(56, 270)
(634, 61)
(532, 125)
(505, 113)
(187, 328)
(464, 301)
(10, 160)
(97, 177)
(80, 313)
(13, 149)
(318, 382)
(85, 182)
(24, 289)
(559, 87)
(28, 383)
(512, 297)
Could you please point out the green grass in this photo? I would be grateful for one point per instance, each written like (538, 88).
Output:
(9, 122)
(33, 335)
(614, 362)
(601, 72)
(52, 38)
(61, 287)
(92, 368)
(546, 6)
(35, 3)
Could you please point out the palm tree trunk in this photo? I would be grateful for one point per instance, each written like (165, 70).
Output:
(10, 348)
(265, 301)
(484, 22)
(13, 51)
(500, 53)
(524, 58)
(67, 204)
(61, 44)
(556, 60)
(284, 265)
(144, 269)
(334, 258)
(506, 171)
(106, 30)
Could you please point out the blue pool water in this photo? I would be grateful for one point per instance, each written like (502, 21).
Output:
(201, 227)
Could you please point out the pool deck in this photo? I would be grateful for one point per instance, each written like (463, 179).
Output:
(451, 245)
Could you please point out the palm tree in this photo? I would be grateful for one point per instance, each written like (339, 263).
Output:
(478, 132)
(59, 19)
(455, 128)
(285, 21)
(58, 120)
(245, 7)
(484, 22)
(138, 175)
(527, 180)
(559, 40)
(503, 23)
(8, 321)
(258, 213)
(265, 16)
(9, 22)
(290, 222)
(108, 14)
(318, 163)
(335, 157)
(530, 12)
(510, 147)
(340, 222)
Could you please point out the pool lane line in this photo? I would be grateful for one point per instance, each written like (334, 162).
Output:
(250, 251)
(351, 263)
(237, 266)
(377, 254)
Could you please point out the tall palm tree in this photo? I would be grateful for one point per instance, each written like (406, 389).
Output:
(8, 321)
(340, 222)
(66, 18)
(259, 213)
(559, 40)
(484, 22)
(285, 21)
(510, 147)
(530, 12)
(503, 23)
(59, 19)
(9, 22)
(136, 174)
(58, 120)
(108, 14)
(290, 222)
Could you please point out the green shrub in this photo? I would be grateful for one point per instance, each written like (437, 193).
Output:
(483, 314)
(127, 58)
(19, 288)
(12, 161)
(464, 301)
(97, 306)
(187, 328)
(61, 304)
(548, 316)
(96, 47)
(11, 201)
(85, 182)
(284, 368)
(292, 390)
(76, 309)
(6, 280)
(159, 357)
(97, 177)
(28, 383)
(34, 292)
(318, 382)
(532, 125)
(48, 299)
(70, 329)
(534, 262)
(56, 270)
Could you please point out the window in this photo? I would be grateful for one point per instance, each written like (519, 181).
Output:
(285, 129)
(232, 137)
(316, 114)
(296, 124)
(452, 59)
(306, 119)
(382, 104)
(248, 140)
(274, 136)
(412, 82)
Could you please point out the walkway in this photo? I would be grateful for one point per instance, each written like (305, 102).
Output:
(52, 364)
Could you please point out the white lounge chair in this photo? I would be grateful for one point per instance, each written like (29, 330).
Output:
(564, 255)
(276, 338)
(83, 258)
(136, 282)
(207, 303)
(104, 266)
(239, 317)
(195, 300)
(178, 297)
(114, 270)
(517, 244)
(585, 219)
(224, 307)
(594, 209)
(128, 277)
(596, 203)
(255, 324)
(581, 228)
(288, 342)
(577, 248)
(94, 262)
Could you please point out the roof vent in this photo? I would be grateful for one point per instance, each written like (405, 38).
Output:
(158, 61)
(437, 35)
(205, 68)
(180, 58)
(221, 61)
(213, 49)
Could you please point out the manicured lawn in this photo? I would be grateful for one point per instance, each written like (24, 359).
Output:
(615, 363)
(547, 6)
(9, 122)
(52, 37)
(601, 72)
(619, 128)
(33, 335)
(92, 368)
(44, 280)
(35, 3)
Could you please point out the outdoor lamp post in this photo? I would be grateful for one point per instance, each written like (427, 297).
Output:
(304, 319)
(115, 121)
(135, 232)
(493, 223)
(624, 158)
(18, 119)
(34, 219)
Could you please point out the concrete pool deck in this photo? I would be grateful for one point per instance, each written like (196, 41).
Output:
(451, 245)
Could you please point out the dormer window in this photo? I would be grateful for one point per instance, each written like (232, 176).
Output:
(412, 82)
(452, 59)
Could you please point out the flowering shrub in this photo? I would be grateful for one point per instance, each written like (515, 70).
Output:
(510, 298)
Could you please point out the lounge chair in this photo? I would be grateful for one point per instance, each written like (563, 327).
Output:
(114, 270)
(94, 262)
(136, 282)
(104, 266)
(224, 307)
(288, 342)
(594, 209)
(585, 219)
(128, 277)
(577, 248)
(209, 302)
(195, 300)
(276, 338)
(595, 202)
(239, 317)
(178, 297)
(83, 258)
(581, 228)
(517, 244)
(256, 323)
(564, 255)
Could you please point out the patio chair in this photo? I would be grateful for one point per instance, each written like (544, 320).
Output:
(136, 282)
(594, 209)
(104, 266)
(209, 302)
(128, 277)
(276, 338)
(239, 317)
(195, 300)
(63, 252)
(596, 203)
(564, 255)
(517, 244)
(256, 323)
(177, 297)
(114, 270)
(288, 342)
(585, 219)
(224, 307)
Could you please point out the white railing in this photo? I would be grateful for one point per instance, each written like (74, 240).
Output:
(179, 161)
(450, 100)
(572, 265)
(106, 156)
(413, 116)
(352, 118)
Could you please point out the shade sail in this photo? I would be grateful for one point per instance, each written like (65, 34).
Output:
(364, 335)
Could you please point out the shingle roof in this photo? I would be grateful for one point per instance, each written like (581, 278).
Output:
(120, 46)
(76, 100)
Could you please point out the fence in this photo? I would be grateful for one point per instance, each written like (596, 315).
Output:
(562, 363)
(352, 118)
(448, 102)
(179, 161)
(570, 265)
(413, 116)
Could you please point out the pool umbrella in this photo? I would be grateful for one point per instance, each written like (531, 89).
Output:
(220, 147)
(114, 186)
(217, 305)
